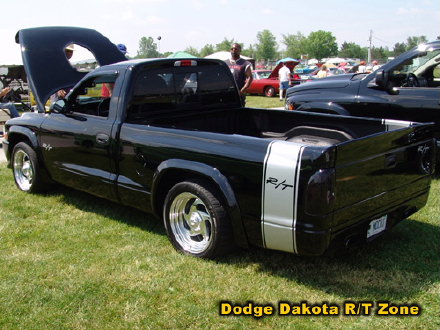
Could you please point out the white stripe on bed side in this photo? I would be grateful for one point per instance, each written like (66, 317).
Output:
(279, 195)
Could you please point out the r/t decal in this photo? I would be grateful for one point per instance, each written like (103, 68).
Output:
(48, 147)
(277, 184)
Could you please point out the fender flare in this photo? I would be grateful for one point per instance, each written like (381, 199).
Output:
(324, 107)
(28, 133)
(18, 134)
(214, 176)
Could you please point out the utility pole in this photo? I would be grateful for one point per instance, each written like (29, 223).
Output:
(369, 47)
(159, 38)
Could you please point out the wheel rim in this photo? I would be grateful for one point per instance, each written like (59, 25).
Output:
(23, 170)
(190, 223)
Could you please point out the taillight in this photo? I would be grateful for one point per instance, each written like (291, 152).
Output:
(320, 194)
(290, 106)
(185, 63)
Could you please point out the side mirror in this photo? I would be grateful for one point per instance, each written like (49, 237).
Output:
(381, 78)
(59, 106)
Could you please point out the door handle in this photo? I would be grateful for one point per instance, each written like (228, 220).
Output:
(102, 138)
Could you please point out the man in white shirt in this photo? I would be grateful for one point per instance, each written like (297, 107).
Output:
(284, 77)
(362, 67)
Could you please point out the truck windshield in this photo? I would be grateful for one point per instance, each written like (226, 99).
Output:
(420, 63)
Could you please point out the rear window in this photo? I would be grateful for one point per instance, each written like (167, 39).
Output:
(181, 88)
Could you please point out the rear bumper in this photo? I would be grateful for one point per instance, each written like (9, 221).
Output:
(315, 243)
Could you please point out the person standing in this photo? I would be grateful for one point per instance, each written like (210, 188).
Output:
(61, 94)
(8, 105)
(375, 65)
(362, 67)
(107, 88)
(284, 77)
(323, 71)
(241, 70)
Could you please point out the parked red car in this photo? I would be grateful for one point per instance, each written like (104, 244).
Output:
(269, 84)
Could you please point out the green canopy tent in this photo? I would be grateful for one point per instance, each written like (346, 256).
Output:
(181, 54)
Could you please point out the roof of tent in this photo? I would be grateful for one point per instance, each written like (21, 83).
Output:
(225, 56)
(180, 54)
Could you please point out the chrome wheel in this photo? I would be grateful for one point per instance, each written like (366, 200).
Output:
(196, 221)
(190, 223)
(23, 170)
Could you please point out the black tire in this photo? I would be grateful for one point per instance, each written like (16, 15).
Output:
(27, 171)
(196, 221)
(269, 91)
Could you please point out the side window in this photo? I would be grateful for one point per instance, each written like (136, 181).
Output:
(436, 72)
(93, 96)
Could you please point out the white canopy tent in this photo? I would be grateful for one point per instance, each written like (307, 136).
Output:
(224, 56)
(335, 60)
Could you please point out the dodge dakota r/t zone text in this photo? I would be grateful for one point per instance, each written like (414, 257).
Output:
(173, 139)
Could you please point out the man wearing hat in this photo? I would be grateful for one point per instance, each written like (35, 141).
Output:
(362, 67)
(61, 94)
(69, 51)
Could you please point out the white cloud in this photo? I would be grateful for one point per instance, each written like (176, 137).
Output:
(267, 11)
(141, 2)
(127, 15)
(153, 20)
(409, 11)
(193, 35)
(198, 4)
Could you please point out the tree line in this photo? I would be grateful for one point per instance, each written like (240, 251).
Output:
(319, 44)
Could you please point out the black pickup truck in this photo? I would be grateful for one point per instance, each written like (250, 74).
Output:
(173, 139)
(406, 88)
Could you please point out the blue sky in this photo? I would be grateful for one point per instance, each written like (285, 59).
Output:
(198, 22)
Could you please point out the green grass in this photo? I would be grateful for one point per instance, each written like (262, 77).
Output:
(263, 102)
(72, 261)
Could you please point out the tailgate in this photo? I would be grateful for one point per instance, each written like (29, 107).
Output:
(380, 172)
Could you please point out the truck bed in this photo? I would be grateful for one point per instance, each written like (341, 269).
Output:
(321, 130)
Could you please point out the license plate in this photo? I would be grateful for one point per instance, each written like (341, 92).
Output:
(377, 226)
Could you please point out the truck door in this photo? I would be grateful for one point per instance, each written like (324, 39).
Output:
(76, 142)
(417, 103)
(417, 95)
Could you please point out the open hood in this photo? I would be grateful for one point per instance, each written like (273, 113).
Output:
(290, 64)
(47, 68)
